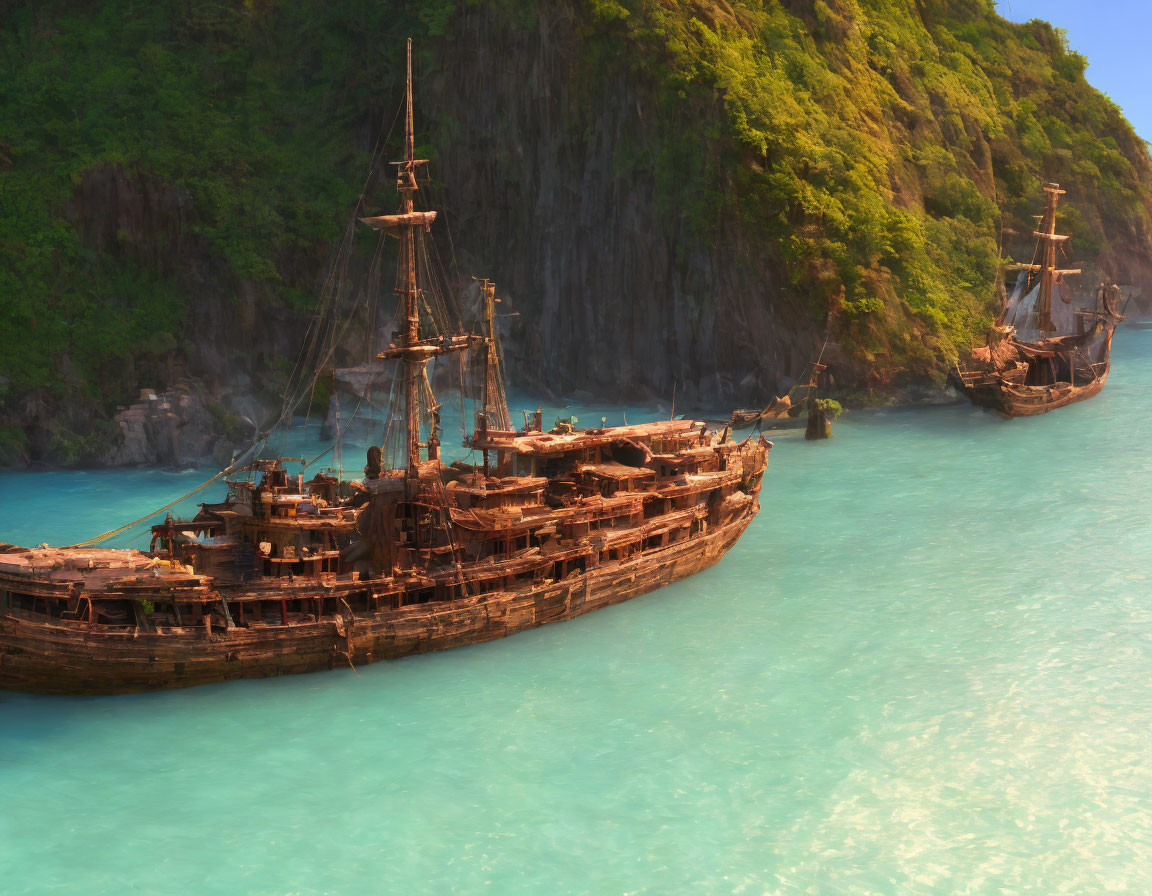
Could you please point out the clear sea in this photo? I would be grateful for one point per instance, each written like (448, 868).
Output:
(926, 668)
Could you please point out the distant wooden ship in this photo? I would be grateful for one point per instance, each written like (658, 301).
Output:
(1043, 355)
(290, 576)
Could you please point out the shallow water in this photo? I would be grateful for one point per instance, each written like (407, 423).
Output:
(925, 668)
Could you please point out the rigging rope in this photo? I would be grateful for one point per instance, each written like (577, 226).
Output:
(323, 336)
(231, 468)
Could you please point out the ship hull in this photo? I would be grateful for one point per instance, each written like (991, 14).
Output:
(1014, 400)
(53, 658)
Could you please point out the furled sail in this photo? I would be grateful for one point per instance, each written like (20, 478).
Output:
(396, 224)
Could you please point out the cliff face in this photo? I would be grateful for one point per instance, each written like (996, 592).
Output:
(671, 195)
(563, 191)
(702, 193)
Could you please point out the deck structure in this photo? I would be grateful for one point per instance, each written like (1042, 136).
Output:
(289, 576)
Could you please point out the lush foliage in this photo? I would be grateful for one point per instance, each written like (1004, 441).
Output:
(870, 147)
(877, 146)
(831, 408)
(260, 113)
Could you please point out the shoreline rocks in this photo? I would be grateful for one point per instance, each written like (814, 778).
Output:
(182, 426)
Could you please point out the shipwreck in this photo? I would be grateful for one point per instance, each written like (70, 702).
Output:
(288, 575)
(1043, 354)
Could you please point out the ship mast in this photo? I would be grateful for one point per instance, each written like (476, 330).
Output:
(1049, 238)
(494, 414)
(407, 346)
(495, 401)
(406, 186)
(1049, 274)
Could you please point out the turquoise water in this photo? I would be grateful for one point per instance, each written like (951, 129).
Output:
(926, 668)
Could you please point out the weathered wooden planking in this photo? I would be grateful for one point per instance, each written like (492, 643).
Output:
(59, 658)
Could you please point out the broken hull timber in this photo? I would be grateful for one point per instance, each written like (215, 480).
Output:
(63, 659)
(1014, 400)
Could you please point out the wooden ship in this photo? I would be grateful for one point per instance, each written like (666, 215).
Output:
(1041, 354)
(289, 576)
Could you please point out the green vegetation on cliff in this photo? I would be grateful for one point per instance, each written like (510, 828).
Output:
(244, 117)
(878, 145)
(157, 157)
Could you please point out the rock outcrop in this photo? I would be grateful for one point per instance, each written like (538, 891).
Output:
(180, 427)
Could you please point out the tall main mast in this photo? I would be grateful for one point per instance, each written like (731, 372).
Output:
(406, 186)
(1049, 238)
(407, 346)
(1049, 274)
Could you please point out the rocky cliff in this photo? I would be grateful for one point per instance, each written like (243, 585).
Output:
(688, 195)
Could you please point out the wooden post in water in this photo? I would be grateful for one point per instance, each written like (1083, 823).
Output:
(818, 425)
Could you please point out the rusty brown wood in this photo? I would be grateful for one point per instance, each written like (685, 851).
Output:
(61, 658)
(423, 557)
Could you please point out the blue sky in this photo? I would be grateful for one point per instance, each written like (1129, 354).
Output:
(1114, 35)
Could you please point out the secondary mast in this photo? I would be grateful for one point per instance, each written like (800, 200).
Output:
(493, 415)
(495, 401)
